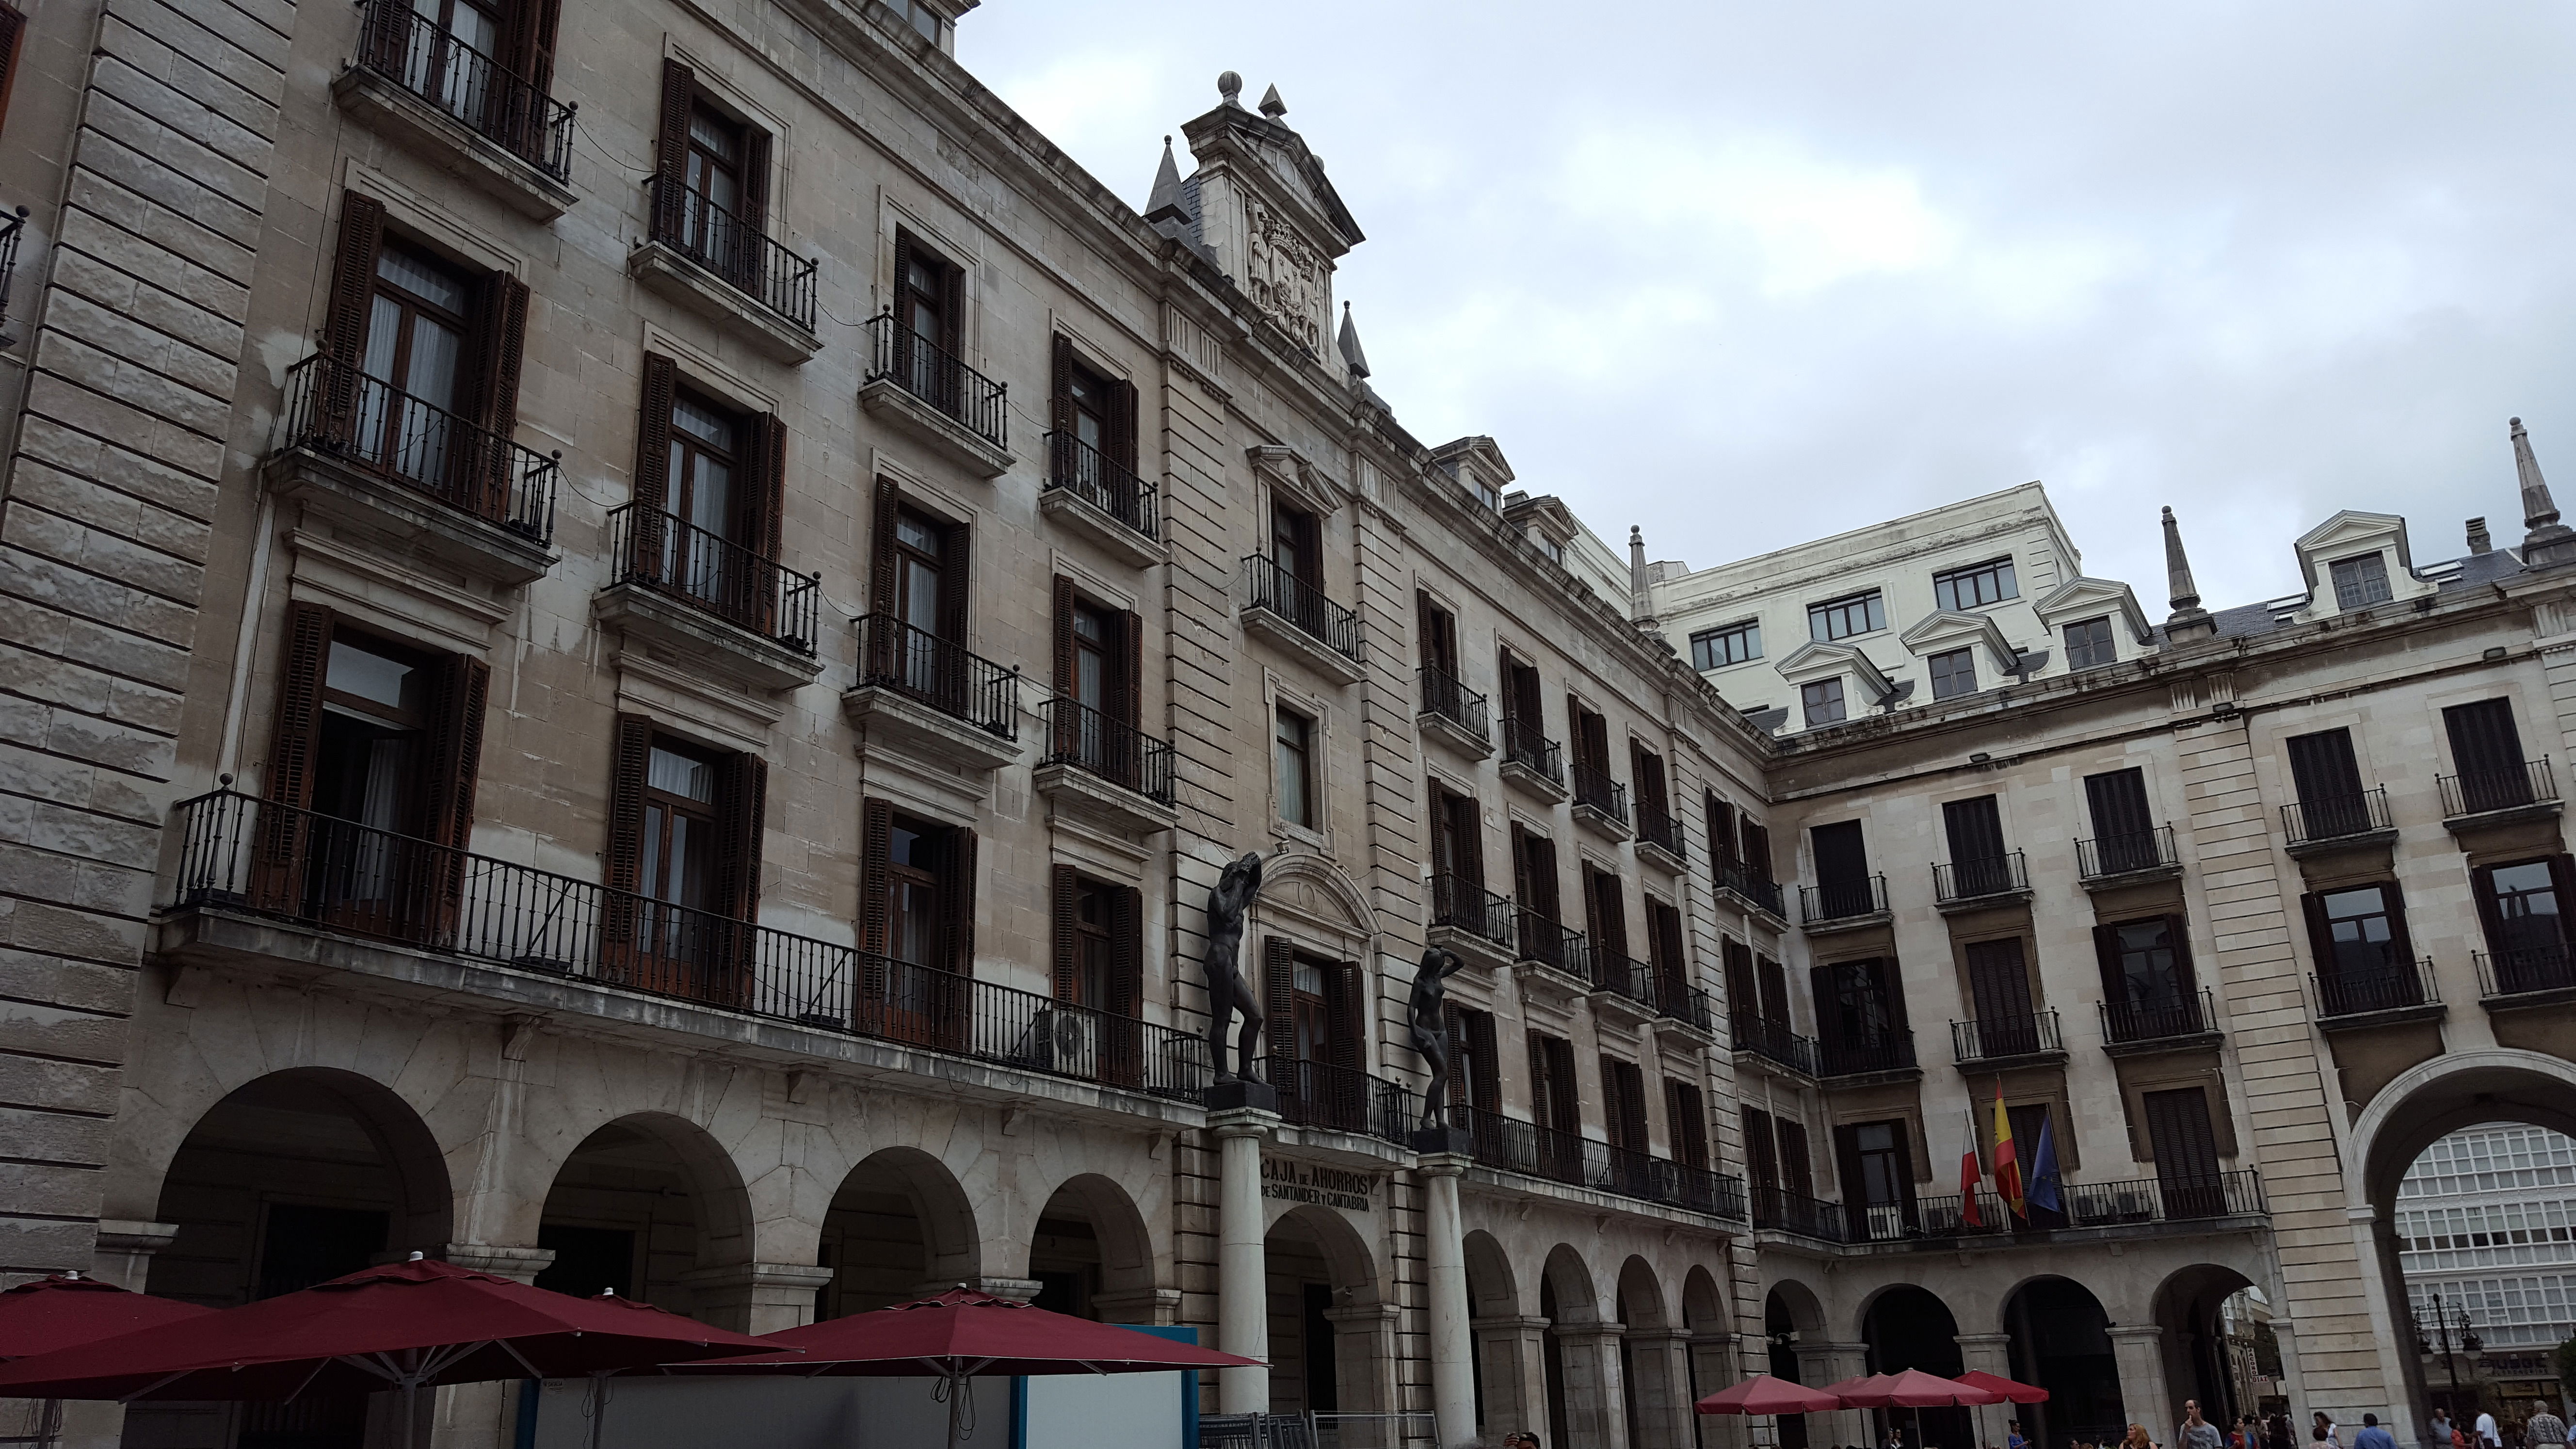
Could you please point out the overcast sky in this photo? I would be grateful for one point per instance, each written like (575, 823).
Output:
(1748, 274)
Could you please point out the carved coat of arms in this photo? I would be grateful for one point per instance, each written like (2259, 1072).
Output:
(1284, 275)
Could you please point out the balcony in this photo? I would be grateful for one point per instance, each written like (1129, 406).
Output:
(1510, 1145)
(2337, 822)
(1886, 1059)
(939, 704)
(945, 405)
(2477, 799)
(464, 112)
(1545, 943)
(1600, 803)
(12, 227)
(1843, 905)
(721, 266)
(1659, 837)
(1773, 1042)
(2532, 976)
(1472, 921)
(1781, 1211)
(1099, 498)
(1102, 770)
(2185, 1022)
(1624, 987)
(1754, 892)
(2007, 1041)
(1293, 614)
(697, 596)
(2400, 991)
(1454, 715)
(245, 859)
(1339, 1099)
(421, 479)
(2142, 1202)
(1978, 885)
(1532, 761)
(1688, 1007)
(2110, 862)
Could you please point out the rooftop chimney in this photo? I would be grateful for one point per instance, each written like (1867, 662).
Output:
(2478, 540)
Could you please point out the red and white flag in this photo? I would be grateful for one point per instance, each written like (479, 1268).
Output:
(1970, 1179)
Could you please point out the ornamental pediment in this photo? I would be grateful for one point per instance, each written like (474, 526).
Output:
(1269, 214)
(1815, 660)
(1952, 629)
(2085, 598)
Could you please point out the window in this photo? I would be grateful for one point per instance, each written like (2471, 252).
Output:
(1623, 1105)
(918, 15)
(711, 187)
(1554, 550)
(2360, 581)
(2088, 643)
(1099, 958)
(2359, 935)
(1296, 543)
(1734, 644)
(1954, 673)
(1979, 863)
(1843, 618)
(416, 331)
(684, 848)
(1860, 1019)
(2486, 750)
(679, 826)
(1554, 1098)
(1822, 702)
(1091, 439)
(1885, 1178)
(374, 713)
(2147, 985)
(698, 502)
(2124, 827)
(1534, 875)
(1292, 765)
(1999, 992)
(710, 486)
(2522, 906)
(1439, 637)
(1968, 588)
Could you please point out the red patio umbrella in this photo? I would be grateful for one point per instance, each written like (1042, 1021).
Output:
(2018, 1393)
(1844, 1388)
(65, 1309)
(1763, 1394)
(1915, 1389)
(963, 1334)
(401, 1325)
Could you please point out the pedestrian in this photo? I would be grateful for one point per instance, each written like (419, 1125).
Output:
(2137, 1438)
(2372, 1436)
(2543, 1430)
(2197, 1432)
(2489, 1437)
(2441, 1434)
(2323, 1432)
(2276, 1433)
(2012, 1435)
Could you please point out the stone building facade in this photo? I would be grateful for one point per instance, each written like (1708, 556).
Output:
(747, 604)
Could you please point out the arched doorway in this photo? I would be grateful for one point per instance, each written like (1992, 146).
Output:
(1653, 1369)
(1327, 1335)
(640, 1206)
(1791, 1316)
(1578, 1383)
(2192, 1307)
(293, 1179)
(2061, 1342)
(1494, 1303)
(1711, 1337)
(1908, 1328)
(899, 1227)
(1091, 1256)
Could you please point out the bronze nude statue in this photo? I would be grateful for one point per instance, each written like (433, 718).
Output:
(1430, 1023)
(1227, 993)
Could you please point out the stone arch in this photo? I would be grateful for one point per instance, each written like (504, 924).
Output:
(650, 1205)
(1127, 1274)
(1712, 1346)
(1507, 1385)
(1907, 1326)
(899, 1225)
(2058, 1336)
(2185, 1310)
(1805, 1310)
(1654, 1362)
(1493, 1290)
(1641, 1295)
(1322, 1275)
(1566, 1280)
(1579, 1355)
(1312, 887)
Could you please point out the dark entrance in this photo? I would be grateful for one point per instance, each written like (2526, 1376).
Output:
(1908, 1328)
(2061, 1342)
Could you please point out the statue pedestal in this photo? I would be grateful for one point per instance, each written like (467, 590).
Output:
(1241, 1093)
(1458, 1140)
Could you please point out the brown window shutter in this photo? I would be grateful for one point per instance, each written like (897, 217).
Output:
(1689, 1124)
(764, 506)
(13, 33)
(623, 862)
(1569, 1102)
(1757, 850)
(1820, 984)
(529, 50)
(455, 749)
(1847, 1159)
(957, 892)
(1346, 1013)
(1279, 996)
(1464, 1065)
(2312, 908)
(671, 152)
(1614, 1111)
(1543, 1089)
(1127, 952)
(1064, 603)
(955, 589)
(2106, 953)
(1470, 844)
(1441, 847)
(742, 803)
(353, 277)
(1060, 392)
(1672, 973)
(1521, 867)
(652, 484)
(755, 199)
(1121, 438)
(2562, 879)
(1796, 1174)
(952, 337)
(876, 859)
(902, 269)
(1130, 694)
(1486, 1091)
(2400, 941)
(1426, 629)
(1310, 549)
(1743, 998)
(1064, 899)
(499, 335)
(2179, 928)
(302, 668)
(881, 564)
(1775, 992)
(1761, 1163)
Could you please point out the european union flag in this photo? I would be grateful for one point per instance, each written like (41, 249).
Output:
(2042, 1191)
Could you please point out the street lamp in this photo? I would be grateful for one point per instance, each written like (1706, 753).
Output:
(2446, 1317)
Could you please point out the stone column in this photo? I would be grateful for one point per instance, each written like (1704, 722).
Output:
(1242, 1274)
(1596, 1403)
(756, 1297)
(1820, 1364)
(1991, 1352)
(1157, 1307)
(2139, 1349)
(1444, 1252)
(1664, 1412)
(124, 1258)
(1019, 1290)
(1515, 1352)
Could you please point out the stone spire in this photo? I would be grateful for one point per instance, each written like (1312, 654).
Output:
(2188, 620)
(1641, 588)
(1352, 357)
(2549, 541)
(1165, 204)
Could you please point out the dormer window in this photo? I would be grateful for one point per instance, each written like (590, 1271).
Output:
(917, 15)
(1843, 618)
(1822, 701)
(2361, 581)
(2088, 643)
(1954, 673)
(1969, 588)
(1486, 493)
(1555, 551)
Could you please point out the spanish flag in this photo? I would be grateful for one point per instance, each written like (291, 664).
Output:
(2007, 1170)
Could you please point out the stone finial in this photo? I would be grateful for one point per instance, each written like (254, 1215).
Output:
(1352, 357)
(1230, 86)
(1165, 204)
(2479, 541)
(1271, 105)
(1641, 591)
(2188, 620)
(2549, 541)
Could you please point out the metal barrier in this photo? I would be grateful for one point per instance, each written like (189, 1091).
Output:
(1524, 746)
(2109, 855)
(1596, 789)
(690, 223)
(1094, 477)
(1116, 751)
(943, 674)
(337, 410)
(2333, 817)
(2191, 1014)
(415, 52)
(1465, 905)
(2480, 792)
(1454, 702)
(1842, 900)
(671, 556)
(924, 369)
(1968, 880)
(2395, 987)
(2016, 1036)
(1269, 586)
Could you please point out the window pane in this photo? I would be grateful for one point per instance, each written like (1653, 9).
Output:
(2089, 643)
(1823, 701)
(1843, 618)
(360, 671)
(2361, 581)
(1987, 583)
(675, 774)
(703, 423)
(1954, 673)
(1296, 791)
(1721, 647)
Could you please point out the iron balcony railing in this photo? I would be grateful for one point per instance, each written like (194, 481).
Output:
(670, 555)
(2181, 1198)
(1774, 1041)
(2109, 855)
(337, 410)
(1098, 744)
(942, 674)
(12, 227)
(2478, 792)
(1842, 900)
(1524, 746)
(1763, 892)
(2522, 972)
(2332, 817)
(1465, 905)
(2189, 1013)
(244, 854)
(1596, 789)
(1690, 1005)
(734, 249)
(1549, 944)
(924, 369)
(1539, 1151)
(1784, 1211)
(2008, 1036)
(1345, 1099)
(1657, 827)
(1893, 1052)
(1269, 585)
(1106, 484)
(2393, 987)
(1968, 880)
(1673, 1183)
(1454, 702)
(1628, 977)
(415, 52)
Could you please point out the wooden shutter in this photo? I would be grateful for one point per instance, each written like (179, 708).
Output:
(1757, 850)
(1608, 911)
(755, 199)
(1120, 439)
(1626, 1086)
(1999, 986)
(1060, 416)
(1129, 697)
(652, 484)
(1522, 885)
(1761, 1163)
(1126, 952)
(529, 53)
(1486, 1088)
(1425, 626)
(455, 749)
(2106, 953)
(1743, 997)
(353, 277)
(1064, 896)
(1847, 1162)
(742, 819)
(1975, 829)
(1279, 996)
(1346, 1013)
(2179, 1134)
(1796, 1174)
(1841, 858)
(2401, 942)
(2483, 738)
(1775, 992)
(13, 31)
(954, 586)
(2312, 908)
(1443, 848)
(1687, 1124)
(2177, 932)
(1829, 1015)
(671, 155)
(303, 666)
(623, 863)
(2482, 891)
(876, 859)
(952, 311)
(1063, 626)
(2322, 766)
(889, 502)
(1664, 941)
(957, 892)
(1569, 1101)
(1467, 838)
(1723, 849)
(762, 512)
(2118, 801)
(1542, 1093)
(498, 336)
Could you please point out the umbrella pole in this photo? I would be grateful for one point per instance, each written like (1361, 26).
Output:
(598, 1407)
(956, 1425)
